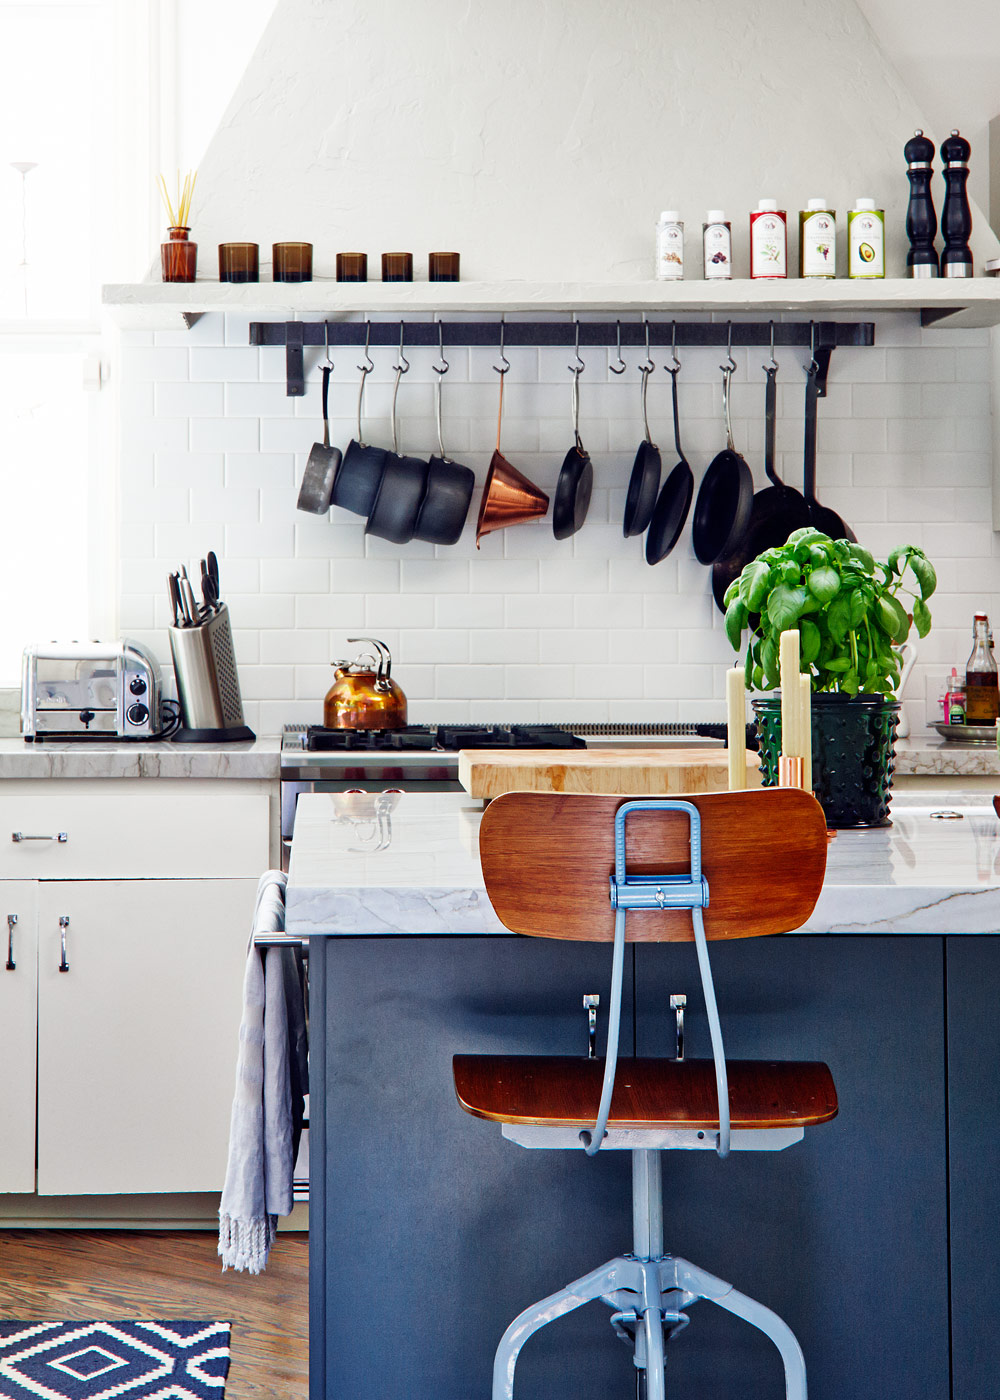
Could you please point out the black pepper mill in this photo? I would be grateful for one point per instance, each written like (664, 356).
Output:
(956, 217)
(921, 220)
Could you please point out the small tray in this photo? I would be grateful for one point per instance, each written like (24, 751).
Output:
(967, 733)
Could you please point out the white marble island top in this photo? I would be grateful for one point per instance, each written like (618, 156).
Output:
(415, 869)
(122, 758)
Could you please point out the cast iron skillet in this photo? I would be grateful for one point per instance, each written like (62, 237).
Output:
(671, 510)
(644, 482)
(576, 479)
(774, 513)
(821, 516)
(722, 509)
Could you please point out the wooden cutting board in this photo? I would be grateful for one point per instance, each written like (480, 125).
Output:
(614, 772)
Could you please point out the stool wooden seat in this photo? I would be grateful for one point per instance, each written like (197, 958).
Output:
(617, 870)
(562, 1091)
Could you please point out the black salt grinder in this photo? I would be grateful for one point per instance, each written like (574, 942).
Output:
(956, 217)
(921, 220)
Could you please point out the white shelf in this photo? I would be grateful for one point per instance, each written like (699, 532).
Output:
(954, 302)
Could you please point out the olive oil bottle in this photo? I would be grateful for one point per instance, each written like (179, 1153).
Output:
(982, 701)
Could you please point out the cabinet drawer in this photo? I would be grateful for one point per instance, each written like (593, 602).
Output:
(138, 833)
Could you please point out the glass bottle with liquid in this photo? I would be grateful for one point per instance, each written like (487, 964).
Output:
(982, 700)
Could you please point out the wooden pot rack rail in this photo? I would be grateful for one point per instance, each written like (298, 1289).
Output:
(821, 336)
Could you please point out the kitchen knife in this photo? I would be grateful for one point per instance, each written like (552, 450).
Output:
(175, 598)
(213, 573)
(187, 598)
(208, 593)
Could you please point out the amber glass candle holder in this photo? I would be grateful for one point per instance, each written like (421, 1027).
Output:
(179, 257)
(238, 262)
(292, 262)
(397, 267)
(352, 267)
(442, 267)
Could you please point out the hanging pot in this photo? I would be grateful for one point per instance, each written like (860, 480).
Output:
(508, 497)
(644, 483)
(576, 476)
(671, 510)
(316, 490)
(449, 486)
(393, 514)
(357, 482)
(726, 491)
(774, 512)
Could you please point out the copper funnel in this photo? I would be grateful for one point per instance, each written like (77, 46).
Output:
(508, 498)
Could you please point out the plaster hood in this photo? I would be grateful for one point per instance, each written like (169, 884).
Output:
(542, 137)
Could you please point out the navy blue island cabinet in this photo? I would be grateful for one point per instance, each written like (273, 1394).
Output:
(429, 1231)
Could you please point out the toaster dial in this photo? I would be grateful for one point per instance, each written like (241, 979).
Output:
(137, 713)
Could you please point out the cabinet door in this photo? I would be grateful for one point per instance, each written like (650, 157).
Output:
(18, 985)
(973, 965)
(137, 1040)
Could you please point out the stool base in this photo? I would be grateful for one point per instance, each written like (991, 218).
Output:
(647, 1292)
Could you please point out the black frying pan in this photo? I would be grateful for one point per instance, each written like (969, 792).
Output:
(722, 509)
(644, 482)
(821, 516)
(576, 479)
(775, 512)
(671, 510)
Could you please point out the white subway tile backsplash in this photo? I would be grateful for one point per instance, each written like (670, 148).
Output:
(213, 451)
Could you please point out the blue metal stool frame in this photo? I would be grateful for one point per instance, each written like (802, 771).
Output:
(647, 1290)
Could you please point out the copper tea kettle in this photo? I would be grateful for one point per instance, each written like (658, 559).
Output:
(363, 694)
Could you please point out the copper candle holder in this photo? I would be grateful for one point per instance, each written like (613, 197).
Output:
(442, 267)
(239, 262)
(397, 267)
(291, 262)
(352, 267)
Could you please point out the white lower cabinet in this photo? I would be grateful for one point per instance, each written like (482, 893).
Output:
(18, 986)
(137, 1037)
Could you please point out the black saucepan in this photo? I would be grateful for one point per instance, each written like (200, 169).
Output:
(356, 484)
(576, 479)
(774, 513)
(671, 510)
(449, 485)
(316, 490)
(644, 482)
(722, 508)
(821, 516)
(394, 511)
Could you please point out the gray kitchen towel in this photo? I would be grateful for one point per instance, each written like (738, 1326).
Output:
(258, 1185)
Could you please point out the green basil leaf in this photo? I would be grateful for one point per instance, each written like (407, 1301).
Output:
(885, 616)
(897, 559)
(926, 577)
(784, 605)
(902, 620)
(769, 661)
(824, 583)
(838, 664)
(838, 617)
(753, 584)
(921, 617)
(809, 641)
(864, 557)
(736, 617)
(790, 571)
(858, 607)
(748, 669)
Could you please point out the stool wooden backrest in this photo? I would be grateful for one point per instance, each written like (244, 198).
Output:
(547, 858)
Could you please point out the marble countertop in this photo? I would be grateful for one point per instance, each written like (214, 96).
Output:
(931, 757)
(98, 759)
(410, 865)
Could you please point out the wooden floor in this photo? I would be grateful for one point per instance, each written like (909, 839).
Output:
(50, 1274)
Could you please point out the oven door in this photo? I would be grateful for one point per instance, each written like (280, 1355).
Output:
(292, 789)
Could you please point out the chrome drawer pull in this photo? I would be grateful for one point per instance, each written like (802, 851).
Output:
(11, 922)
(63, 926)
(61, 837)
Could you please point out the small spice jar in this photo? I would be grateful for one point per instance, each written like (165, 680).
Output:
(442, 267)
(397, 267)
(239, 262)
(352, 267)
(292, 262)
(179, 257)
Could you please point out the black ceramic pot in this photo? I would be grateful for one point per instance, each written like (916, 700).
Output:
(853, 754)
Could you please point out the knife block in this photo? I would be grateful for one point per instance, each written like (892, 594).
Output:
(208, 687)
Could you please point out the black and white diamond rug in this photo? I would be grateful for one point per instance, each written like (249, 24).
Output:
(113, 1360)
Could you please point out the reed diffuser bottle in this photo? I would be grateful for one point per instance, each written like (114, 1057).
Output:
(179, 257)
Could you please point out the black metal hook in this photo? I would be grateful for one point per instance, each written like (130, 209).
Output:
(402, 364)
(649, 366)
(580, 366)
(444, 366)
(369, 363)
(620, 367)
(503, 357)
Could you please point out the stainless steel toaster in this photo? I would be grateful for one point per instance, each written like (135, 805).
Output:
(80, 690)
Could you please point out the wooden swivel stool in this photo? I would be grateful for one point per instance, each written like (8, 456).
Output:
(726, 865)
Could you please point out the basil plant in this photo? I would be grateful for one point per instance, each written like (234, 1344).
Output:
(847, 607)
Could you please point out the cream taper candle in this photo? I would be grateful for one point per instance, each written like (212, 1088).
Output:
(791, 701)
(736, 727)
(805, 729)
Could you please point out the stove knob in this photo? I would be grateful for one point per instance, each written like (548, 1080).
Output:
(137, 713)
